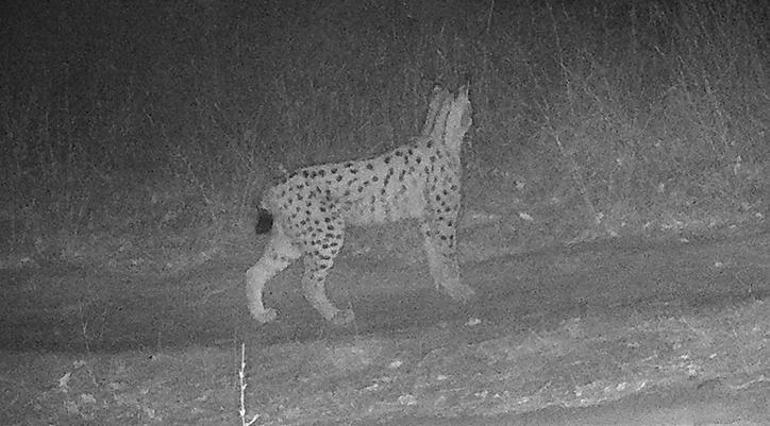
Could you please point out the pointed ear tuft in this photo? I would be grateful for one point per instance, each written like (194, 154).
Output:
(463, 90)
(439, 97)
(467, 79)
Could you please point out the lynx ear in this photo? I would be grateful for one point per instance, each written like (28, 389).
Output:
(466, 82)
(462, 92)
(438, 96)
(456, 120)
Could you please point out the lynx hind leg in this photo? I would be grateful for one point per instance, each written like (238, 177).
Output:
(441, 251)
(279, 253)
(319, 260)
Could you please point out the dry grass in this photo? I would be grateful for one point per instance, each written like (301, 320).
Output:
(158, 119)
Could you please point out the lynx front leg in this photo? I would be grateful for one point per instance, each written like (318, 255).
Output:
(279, 253)
(441, 251)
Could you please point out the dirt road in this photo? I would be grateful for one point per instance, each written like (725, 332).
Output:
(46, 308)
(86, 310)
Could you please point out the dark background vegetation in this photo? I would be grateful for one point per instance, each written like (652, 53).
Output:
(153, 126)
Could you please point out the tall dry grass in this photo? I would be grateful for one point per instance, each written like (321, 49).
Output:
(162, 116)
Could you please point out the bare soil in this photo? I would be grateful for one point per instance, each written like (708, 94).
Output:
(623, 331)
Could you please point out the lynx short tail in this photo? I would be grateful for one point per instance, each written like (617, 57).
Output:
(264, 221)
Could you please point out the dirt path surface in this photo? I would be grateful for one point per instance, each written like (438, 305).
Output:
(47, 308)
(86, 310)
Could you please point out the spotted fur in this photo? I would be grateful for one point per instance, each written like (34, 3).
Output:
(309, 211)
